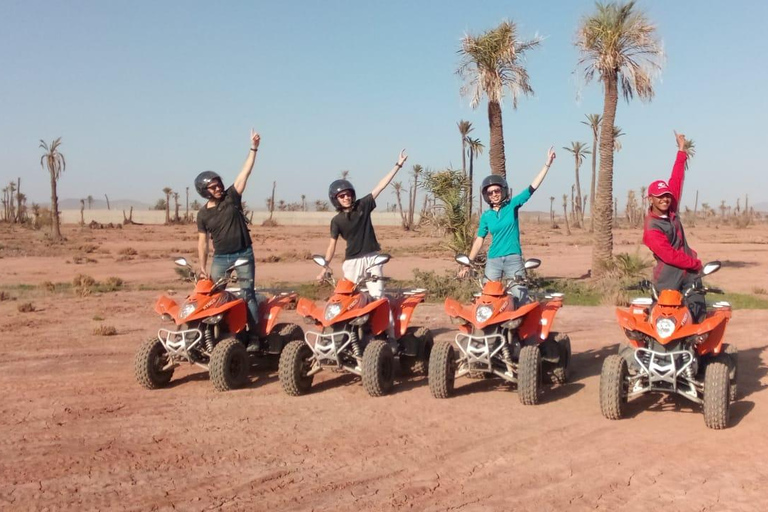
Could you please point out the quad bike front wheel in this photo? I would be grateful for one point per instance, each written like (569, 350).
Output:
(561, 370)
(229, 365)
(613, 387)
(442, 369)
(148, 366)
(378, 368)
(421, 338)
(295, 363)
(529, 375)
(717, 386)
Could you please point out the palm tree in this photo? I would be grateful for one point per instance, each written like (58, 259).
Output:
(565, 214)
(579, 150)
(464, 128)
(474, 148)
(690, 149)
(90, 201)
(344, 174)
(398, 186)
(616, 142)
(619, 45)
(167, 191)
(417, 170)
(593, 121)
(53, 160)
(491, 64)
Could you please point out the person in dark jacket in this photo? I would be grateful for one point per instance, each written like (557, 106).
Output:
(677, 265)
(222, 221)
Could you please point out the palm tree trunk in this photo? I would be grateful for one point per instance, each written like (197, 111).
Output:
(464, 153)
(56, 229)
(579, 209)
(471, 185)
(592, 186)
(602, 247)
(496, 154)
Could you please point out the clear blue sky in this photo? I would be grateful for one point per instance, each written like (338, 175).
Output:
(148, 94)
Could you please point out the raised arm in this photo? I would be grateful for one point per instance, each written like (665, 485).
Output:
(543, 172)
(678, 172)
(391, 174)
(245, 172)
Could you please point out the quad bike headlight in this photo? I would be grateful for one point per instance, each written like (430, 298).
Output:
(187, 309)
(360, 320)
(483, 313)
(331, 310)
(665, 327)
(211, 320)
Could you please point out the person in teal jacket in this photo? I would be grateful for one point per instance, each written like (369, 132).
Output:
(505, 256)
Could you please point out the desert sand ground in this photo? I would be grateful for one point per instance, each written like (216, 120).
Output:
(78, 433)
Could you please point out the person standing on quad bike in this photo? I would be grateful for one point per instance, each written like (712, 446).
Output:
(505, 256)
(353, 224)
(221, 219)
(677, 265)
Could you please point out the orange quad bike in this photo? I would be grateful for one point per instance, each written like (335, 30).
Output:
(501, 338)
(669, 353)
(210, 331)
(351, 336)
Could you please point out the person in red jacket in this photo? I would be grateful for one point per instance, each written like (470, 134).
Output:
(677, 265)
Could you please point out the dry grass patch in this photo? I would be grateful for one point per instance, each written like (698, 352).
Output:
(26, 307)
(105, 330)
(4, 296)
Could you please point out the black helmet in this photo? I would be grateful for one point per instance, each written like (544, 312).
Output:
(204, 180)
(495, 179)
(337, 187)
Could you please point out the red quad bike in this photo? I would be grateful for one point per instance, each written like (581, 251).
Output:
(667, 352)
(211, 332)
(351, 336)
(498, 339)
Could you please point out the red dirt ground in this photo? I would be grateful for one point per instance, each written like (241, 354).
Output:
(79, 433)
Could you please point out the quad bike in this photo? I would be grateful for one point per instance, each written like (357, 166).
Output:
(351, 336)
(667, 352)
(211, 332)
(501, 338)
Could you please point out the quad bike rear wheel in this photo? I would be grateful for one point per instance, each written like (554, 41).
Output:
(421, 337)
(717, 395)
(613, 387)
(229, 365)
(560, 372)
(529, 375)
(442, 369)
(148, 366)
(295, 362)
(378, 368)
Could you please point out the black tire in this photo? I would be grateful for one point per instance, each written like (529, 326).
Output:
(613, 387)
(716, 395)
(417, 365)
(229, 365)
(529, 375)
(561, 370)
(148, 365)
(378, 368)
(282, 335)
(733, 366)
(442, 369)
(295, 362)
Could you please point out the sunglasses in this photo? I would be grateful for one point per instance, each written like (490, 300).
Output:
(344, 195)
(214, 186)
(494, 191)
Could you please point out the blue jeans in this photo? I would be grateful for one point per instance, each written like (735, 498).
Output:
(505, 268)
(245, 279)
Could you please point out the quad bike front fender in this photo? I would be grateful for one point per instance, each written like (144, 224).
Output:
(531, 325)
(166, 306)
(403, 311)
(378, 322)
(270, 309)
(549, 310)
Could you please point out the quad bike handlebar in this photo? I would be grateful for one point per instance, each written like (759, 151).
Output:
(477, 269)
(380, 259)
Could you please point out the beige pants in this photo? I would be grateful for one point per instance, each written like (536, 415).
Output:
(354, 269)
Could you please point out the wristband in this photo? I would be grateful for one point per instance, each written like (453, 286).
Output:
(254, 149)
(399, 166)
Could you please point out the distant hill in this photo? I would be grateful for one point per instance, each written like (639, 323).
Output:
(101, 204)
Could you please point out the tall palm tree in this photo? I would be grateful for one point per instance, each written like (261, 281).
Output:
(167, 191)
(474, 148)
(53, 160)
(579, 150)
(491, 65)
(464, 128)
(618, 46)
(416, 171)
(90, 201)
(593, 121)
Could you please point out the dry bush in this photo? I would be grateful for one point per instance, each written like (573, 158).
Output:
(48, 286)
(128, 251)
(88, 248)
(124, 258)
(759, 290)
(98, 318)
(5, 296)
(105, 330)
(83, 284)
(26, 307)
(113, 283)
(269, 223)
